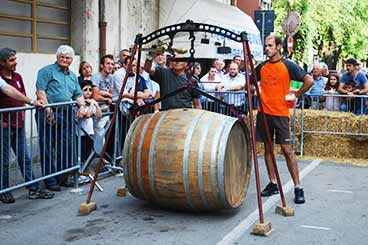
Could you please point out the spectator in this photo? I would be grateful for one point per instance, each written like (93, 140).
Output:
(209, 83)
(324, 71)
(332, 86)
(85, 71)
(196, 71)
(348, 103)
(123, 57)
(12, 133)
(117, 66)
(234, 81)
(237, 59)
(102, 91)
(316, 91)
(128, 94)
(153, 88)
(160, 60)
(57, 83)
(361, 88)
(170, 80)
(91, 110)
(220, 65)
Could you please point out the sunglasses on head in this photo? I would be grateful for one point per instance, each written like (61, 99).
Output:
(87, 89)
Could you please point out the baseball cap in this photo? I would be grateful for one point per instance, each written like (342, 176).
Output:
(323, 66)
(5, 53)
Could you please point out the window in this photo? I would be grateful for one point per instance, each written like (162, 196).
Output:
(35, 26)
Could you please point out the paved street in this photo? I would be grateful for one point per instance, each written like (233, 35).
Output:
(335, 213)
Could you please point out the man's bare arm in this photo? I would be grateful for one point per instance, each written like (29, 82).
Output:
(156, 107)
(15, 94)
(197, 104)
(41, 95)
(99, 95)
(148, 66)
(341, 89)
(308, 83)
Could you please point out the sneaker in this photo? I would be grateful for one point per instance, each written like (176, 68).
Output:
(83, 180)
(7, 198)
(299, 196)
(40, 194)
(271, 189)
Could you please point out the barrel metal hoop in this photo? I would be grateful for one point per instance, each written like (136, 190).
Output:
(126, 159)
(139, 154)
(202, 142)
(221, 161)
(152, 154)
(215, 143)
(187, 144)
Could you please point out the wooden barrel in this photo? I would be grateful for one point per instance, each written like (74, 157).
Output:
(188, 159)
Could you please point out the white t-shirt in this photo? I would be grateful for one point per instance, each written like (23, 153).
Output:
(3, 84)
(152, 86)
(207, 85)
(87, 123)
(118, 78)
(234, 98)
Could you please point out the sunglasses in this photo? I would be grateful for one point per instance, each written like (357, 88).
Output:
(87, 89)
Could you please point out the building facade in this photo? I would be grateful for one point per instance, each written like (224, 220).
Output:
(35, 29)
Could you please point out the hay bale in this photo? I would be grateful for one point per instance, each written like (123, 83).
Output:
(333, 146)
(344, 122)
(329, 146)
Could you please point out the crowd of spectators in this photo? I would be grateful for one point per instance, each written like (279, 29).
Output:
(339, 91)
(95, 91)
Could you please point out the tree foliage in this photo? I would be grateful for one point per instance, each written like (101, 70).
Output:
(333, 29)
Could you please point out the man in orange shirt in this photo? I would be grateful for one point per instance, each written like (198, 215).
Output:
(275, 76)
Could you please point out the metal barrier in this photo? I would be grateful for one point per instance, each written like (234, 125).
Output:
(52, 149)
(236, 98)
(328, 103)
(38, 144)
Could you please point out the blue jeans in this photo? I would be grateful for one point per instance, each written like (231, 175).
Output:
(57, 143)
(16, 139)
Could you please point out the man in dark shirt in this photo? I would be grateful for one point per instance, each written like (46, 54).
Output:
(171, 79)
(12, 133)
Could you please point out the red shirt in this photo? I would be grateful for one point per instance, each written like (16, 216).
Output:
(7, 102)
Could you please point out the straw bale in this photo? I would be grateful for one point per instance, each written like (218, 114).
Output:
(329, 146)
(334, 146)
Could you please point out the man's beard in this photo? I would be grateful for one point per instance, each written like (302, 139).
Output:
(233, 75)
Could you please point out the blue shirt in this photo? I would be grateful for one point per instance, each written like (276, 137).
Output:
(360, 79)
(318, 86)
(58, 86)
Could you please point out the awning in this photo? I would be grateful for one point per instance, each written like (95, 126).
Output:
(214, 13)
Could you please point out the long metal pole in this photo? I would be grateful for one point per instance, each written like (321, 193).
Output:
(247, 59)
(268, 136)
(100, 160)
(137, 78)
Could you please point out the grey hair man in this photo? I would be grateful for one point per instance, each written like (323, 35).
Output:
(56, 83)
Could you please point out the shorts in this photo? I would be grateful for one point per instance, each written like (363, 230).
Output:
(277, 125)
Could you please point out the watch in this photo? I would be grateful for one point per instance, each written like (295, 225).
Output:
(31, 102)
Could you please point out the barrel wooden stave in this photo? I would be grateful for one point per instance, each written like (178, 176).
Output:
(173, 147)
